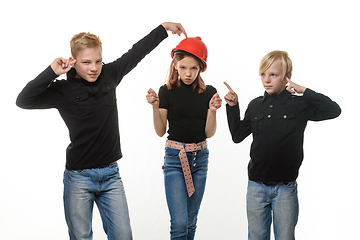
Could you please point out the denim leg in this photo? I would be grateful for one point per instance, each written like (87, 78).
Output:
(104, 186)
(78, 205)
(258, 211)
(285, 211)
(183, 210)
(112, 204)
(279, 202)
(198, 167)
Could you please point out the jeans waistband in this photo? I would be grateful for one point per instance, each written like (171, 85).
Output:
(274, 183)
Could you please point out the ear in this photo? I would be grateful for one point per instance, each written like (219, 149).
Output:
(289, 75)
(72, 61)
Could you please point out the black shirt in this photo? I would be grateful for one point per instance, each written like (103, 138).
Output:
(187, 112)
(277, 123)
(89, 109)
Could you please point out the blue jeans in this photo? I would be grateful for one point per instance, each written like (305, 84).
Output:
(104, 187)
(275, 202)
(184, 210)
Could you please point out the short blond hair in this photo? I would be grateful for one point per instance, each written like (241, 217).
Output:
(84, 40)
(269, 58)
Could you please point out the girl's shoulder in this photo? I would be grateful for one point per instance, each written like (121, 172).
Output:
(210, 89)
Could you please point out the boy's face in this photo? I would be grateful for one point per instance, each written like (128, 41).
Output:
(89, 63)
(272, 79)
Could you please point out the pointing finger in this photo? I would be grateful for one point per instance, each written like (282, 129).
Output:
(228, 87)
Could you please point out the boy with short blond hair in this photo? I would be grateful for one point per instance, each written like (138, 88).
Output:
(277, 121)
(87, 103)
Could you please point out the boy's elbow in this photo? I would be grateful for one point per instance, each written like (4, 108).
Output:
(236, 140)
(20, 103)
(336, 112)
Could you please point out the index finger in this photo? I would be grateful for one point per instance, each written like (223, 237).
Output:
(182, 29)
(227, 85)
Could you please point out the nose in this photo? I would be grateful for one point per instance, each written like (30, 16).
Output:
(93, 67)
(188, 73)
(267, 79)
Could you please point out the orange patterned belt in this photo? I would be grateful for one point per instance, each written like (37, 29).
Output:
(189, 147)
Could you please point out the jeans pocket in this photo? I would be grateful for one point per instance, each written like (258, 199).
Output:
(171, 152)
(75, 172)
(114, 167)
(290, 184)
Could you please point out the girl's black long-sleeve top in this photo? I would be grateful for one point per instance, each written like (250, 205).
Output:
(89, 109)
(277, 123)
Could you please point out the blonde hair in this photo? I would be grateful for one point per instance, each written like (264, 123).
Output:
(269, 58)
(84, 40)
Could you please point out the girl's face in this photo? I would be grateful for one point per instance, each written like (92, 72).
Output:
(188, 69)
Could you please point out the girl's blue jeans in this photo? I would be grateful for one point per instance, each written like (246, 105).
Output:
(275, 202)
(104, 187)
(184, 210)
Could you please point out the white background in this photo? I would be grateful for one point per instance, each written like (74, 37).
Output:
(321, 37)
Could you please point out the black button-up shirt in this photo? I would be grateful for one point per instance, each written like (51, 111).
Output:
(89, 109)
(277, 123)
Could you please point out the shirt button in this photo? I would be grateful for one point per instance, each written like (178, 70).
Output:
(271, 106)
(194, 158)
(269, 116)
(285, 116)
(194, 164)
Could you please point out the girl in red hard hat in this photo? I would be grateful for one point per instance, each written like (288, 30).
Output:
(190, 108)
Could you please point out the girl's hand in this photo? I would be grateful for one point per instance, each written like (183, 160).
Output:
(215, 102)
(62, 65)
(175, 28)
(294, 88)
(152, 98)
(231, 97)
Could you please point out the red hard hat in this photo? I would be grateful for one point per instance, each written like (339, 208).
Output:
(194, 46)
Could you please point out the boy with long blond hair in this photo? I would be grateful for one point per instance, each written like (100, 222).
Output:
(277, 121)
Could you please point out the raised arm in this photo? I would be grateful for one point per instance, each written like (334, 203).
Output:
(36, 95)
(239, 129)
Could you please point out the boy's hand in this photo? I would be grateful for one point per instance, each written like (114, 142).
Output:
(294, 88)
(231, 97)
(152, 98)
(215, 102)
(62, 65)
(175, 28)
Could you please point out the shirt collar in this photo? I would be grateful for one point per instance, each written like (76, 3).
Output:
(71, 76)
(282, 96)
